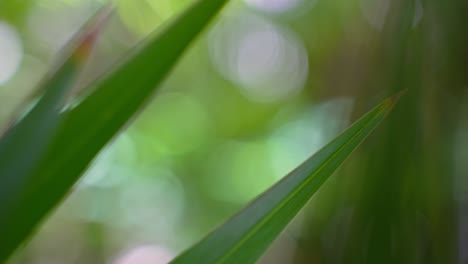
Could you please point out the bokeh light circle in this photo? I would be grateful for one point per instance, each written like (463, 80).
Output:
(11, 52)
(273, 5)
(307, 133)
(238, 171)
(146, 254)
(280, 6)
(268, 62)
(143, 17)
(174, 124)
(375, 12)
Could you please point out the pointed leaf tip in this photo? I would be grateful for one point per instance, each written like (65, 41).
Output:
(69, 153)
(394, 99)
(390, 102)
(244, 237)
(25, 144)
(90, 34)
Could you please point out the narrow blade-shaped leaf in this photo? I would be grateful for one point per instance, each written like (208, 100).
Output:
(24, 144)
(87, 128)
(246, 236)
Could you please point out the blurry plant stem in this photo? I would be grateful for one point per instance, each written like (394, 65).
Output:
(444, 76)
(405, 213)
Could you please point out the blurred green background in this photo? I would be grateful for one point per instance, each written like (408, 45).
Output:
(268, 84)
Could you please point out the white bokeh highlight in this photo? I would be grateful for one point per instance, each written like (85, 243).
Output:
(274, 6)
(267, 62)
(306, 134)
(375, 12)
(146, 254)
(11, 52)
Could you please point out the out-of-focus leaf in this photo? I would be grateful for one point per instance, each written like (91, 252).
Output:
(86, 129)
(25, 143)
(246, 236)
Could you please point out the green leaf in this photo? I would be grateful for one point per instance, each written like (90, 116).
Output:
(247, 235)
(87, 128)
(25, 143)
